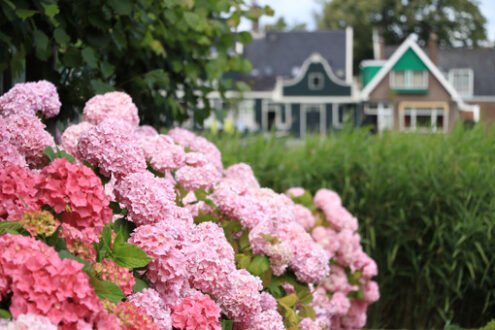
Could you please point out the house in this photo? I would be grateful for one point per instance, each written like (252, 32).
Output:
(406, 89)
(301, 82)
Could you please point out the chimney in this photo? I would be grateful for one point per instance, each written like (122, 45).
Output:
(378, 44)
(433, 47)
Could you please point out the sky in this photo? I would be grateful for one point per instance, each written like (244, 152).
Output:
(301, 11)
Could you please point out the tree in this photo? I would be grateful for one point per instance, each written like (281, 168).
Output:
(456, 22)
(168, 55)
(281, 25)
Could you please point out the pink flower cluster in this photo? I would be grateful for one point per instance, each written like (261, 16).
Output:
(196, 312)
(150, 301)
(353, 268)
(76, 192)
(71, 136)
(17, 192)
(108, 270)
(28, 322)
(29, 98)
(115, 105)
(41, 283)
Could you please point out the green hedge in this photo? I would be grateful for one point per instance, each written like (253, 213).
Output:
(426, 206)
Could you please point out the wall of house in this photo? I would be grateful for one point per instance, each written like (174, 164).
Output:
(487, 112)
(436, 93)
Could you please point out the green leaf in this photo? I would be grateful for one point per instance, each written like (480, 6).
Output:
(242, 260)
(192, 19)
(106, 236)
(51, 10)
(25, 13)
(107, 290)
(41, 44)
(5, 314)
(121, 7)
(89, 57)
(101, 87)
(140, 285)
(307, 312)
(61, 37)
(244, 37)
(124, 228)
(9, 226)
(227, 324)
(64, 254)
(107, 69)
(289, 300)
(58, 153)
(259, 265)
(244, 241)
(129, 256)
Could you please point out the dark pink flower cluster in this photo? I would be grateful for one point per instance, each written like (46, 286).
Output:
(196, 312)
(41, 283)
(76, 192)
(111, 147)
(114, 105)
(17, 192)
(128, 315)
(80, 242)
(108, 270)
(29, 98)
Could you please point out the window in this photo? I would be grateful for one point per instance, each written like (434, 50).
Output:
(423, 119)
(276, 115)
(462, 80)
(316, 81)
(342, 113)
(379, 115)
(409, 79)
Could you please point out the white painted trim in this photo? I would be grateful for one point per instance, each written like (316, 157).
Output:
(470, 73)
(479, 98)
(349, 41)
(432, 112)
(323, 118)
(320, 76)
(366, 63)
(314, 58)
(382, 110)
(335, 116)
(279, 125)
(318, 99)
(410, 43)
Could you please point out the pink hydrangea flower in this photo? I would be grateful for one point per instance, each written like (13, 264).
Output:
(80, 242)
(268, 302)
(295, 191)
(242, 172)
(10, 156)
(196, 207)
(145, 130)
(304, 216)
(308, 324)
(356, 317)
(150, 301)
(341, 303)
(17, 192)
(327, 238)
(267, 320)
(75, 191)
(371, 292)
(197, 312)
(131, 316)
(181, 136)
(71, 136)
(28, 135)
(28, 98)
(162, 153)
(28, 322)
(43, 284)
(325, 197)
(196, 177)
(110, 146)
(115, 105)
(243, 301)
(280, 255)
(147, 198)
(337, 281)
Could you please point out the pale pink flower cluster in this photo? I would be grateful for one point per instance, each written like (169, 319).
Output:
(29, 98)
(28, 322)
(341, 241)
(10, 156)
(147, 198)
(268, 214)
(27, 134)
(150, 301)
(114, 105)
(71, 136)
(162, 153)
(111, 147)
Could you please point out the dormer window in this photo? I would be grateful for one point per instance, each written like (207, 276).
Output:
(316, 81)
(462, 80)
(409, 80)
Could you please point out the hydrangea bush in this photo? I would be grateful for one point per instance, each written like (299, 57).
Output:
(120, 227)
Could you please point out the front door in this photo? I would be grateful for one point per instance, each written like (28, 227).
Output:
(313, 119)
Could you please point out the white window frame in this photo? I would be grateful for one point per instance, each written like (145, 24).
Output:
(469, 71)
(408, 80)
(381, 111)
(414, 112)
(266, 107)
(311, 77)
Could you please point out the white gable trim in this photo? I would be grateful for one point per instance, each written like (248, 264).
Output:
(314, 58)
(349, 40)
(410, 43)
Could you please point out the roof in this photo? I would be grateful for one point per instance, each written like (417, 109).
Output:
(480, 60)
(281, 54)
(410, 45)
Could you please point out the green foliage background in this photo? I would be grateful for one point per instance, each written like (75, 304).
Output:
(426, 208)
(166, 54)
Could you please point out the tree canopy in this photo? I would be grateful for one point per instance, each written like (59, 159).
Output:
(168, 55)
(456, 22)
